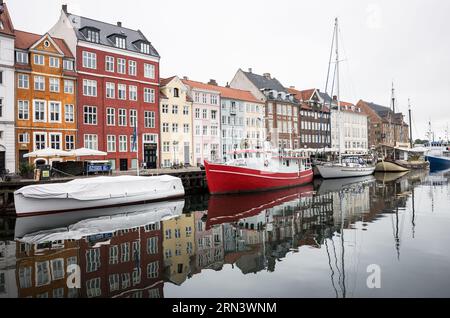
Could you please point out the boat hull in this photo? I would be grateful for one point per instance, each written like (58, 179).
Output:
(231, 179)
(438, 163)
(336, 172)
(389, 166)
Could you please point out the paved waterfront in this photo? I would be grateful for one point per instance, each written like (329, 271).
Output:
(314, 241)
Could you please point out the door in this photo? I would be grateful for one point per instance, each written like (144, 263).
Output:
(123, 164)
(22, 159)
(150, 155)
(186, 153)
(2, 161)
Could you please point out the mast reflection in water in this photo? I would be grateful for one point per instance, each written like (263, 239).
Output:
(313, 241)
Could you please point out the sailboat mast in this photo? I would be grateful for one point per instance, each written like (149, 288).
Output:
(338, 91)
(393, 114)
(410, 124)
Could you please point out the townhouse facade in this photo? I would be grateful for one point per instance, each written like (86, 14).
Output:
(315, 125)
(282, 115)
(118, 90)
(7, 141)
(384, 126)
(206, 120)
(46, 112)
(349, 129)
(176, 123)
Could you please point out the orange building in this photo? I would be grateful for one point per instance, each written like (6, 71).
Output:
(45, 95)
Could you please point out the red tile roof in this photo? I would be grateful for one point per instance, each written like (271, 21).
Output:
(302, 95)
(5, 18)
(25, 40)
(232, 93)
(200, 85)
(165, 81)
(347, 107)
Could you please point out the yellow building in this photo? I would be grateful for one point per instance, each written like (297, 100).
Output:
(179, 247)
(176, 123)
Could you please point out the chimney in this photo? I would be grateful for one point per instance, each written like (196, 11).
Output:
(335, 98)
(212, 82)
(292, 86)
(119, 24)
(228, 85)
(266, 75)
(64, 8)
(250, 70)
(185, 78)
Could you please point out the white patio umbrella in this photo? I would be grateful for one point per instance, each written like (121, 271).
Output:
(85, 152)
(47, 153)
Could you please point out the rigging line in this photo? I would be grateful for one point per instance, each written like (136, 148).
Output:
(346, 59)
(329, 61)
(331, 268)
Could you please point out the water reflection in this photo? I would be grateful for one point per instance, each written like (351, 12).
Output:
(141, 251)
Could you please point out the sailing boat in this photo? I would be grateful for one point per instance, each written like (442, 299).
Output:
(349, 165)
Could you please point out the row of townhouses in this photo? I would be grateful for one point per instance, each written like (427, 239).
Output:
(87, 83)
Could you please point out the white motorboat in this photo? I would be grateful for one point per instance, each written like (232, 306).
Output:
(348, 167)
(88, 193)
(98, 228)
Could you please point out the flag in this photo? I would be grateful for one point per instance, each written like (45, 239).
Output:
(135, 137)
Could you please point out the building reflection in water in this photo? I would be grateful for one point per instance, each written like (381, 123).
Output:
(135, 250)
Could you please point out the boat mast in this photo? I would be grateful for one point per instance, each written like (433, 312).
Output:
(393, 114)
(410, 124)
(338, 90)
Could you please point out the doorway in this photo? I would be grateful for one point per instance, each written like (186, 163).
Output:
(2, 161)
(150, 155)
(186, 153)
(123, 164)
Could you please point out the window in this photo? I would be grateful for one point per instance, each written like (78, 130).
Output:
(213, 130)
(149, 95)
(122, 91)
(197, 130)
(113, 254)
(186, 128)
(121, 42)
(93, 288)
(176, 92)
(205, 114)
(70, 142)
(22, 57)
(214, 99)
(114, 282)
(58, 269)
(55, 141)
(109, 64)
(152, 269)
(110, 117)
(165, 127)
(122, 117)
(124, 247)
(68, 65)
(122, 143)
(121, 66)
(205, 100)
(205, 130)
(54, 62)
(23, 111)
(89, 88)
(145, 48)
(93, 36)
(90, 115)
(89, 60)
(197, 97)
(132, 68)
(68, 87)
(25, 277)
(152, 245)
(110, 90)
(91, 141)
(24, 138)
(149, 71)
(39, 111)
(132, 92)
(39, 83)
(149, 119)
(38, 59)
(23, 81)
(186, 110)
(174, 127)
(42, 273)
(133, 117)
(40, 141)
(111, 143)
(197, 113)
(69, 113)
(166, 146)
(175, 109)
(214, 114)
(54, 85)
(54, 112)
(136, 277)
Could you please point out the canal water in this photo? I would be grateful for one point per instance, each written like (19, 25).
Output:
(380, 236)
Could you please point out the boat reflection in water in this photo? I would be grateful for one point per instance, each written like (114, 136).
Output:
(172, 249)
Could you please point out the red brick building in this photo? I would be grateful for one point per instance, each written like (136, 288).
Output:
(118, 87)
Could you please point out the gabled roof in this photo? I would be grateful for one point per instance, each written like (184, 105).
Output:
(237, 94)
(107, 29)
(200, 85)
(303, 95)
(25, 40)
(261, 82)
(165, 81)
(6, 21)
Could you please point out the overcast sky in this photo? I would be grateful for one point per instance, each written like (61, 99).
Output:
(406, 41)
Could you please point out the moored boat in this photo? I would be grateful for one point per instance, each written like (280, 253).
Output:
(347, 167)
(389, 166)
(88, 193)
(439, 162)
(258, 170)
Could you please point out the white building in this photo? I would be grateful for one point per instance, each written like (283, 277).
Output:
(352, 129)
(7, 141)
(8, 285)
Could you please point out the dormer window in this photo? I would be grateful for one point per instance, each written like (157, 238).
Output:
(92, 35)
(68, 65)
(121, 42)
(145, 48)
(21, 57)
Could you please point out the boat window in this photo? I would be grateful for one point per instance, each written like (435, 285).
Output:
(246, 155)
(287, 163)
(258, 155)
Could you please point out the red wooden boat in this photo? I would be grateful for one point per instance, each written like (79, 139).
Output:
(254, 170)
